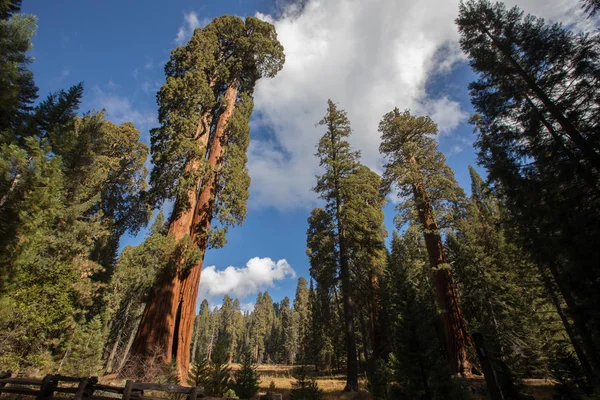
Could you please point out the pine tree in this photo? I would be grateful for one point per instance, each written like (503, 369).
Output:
(503, 296)
(322, 254)
(305, 387)
(246, 378)
(199, 373)
(418, 169)
(55, 215)
(538, 138)
(302, 310)
(416, 361)
(219, 379)
(215, 73)
(339, 161)
(289, 328)
(366, 241)
(18, 88)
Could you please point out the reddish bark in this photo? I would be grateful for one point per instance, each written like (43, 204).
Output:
(155, 332)
(200, 226)
(455, 328)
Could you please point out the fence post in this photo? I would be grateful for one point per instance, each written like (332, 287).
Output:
(127, 391)
(488, 369)
(47, 389)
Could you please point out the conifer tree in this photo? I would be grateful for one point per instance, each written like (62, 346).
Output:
(16, 80)
(366, 241)
(503, 296)
(305, 387)
(416, 167)
(208, 95)
(538, 138)
(322, 254)
(289, 328)
(339, 161)
(201, 331)
(219, 377)
(302, 310)
(416, 361)
(246, 378)
(199, 373)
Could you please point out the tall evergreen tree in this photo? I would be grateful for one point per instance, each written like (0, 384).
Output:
(322, 254)
(127, 292)
(339, 161)
(416, 167)
(503, 295)
(202, 332)
(16, 80)
(366, 241)
(536, 95)
(246, 378)
(289, 328)
(199, 153)
(419, 369)
(302, 310)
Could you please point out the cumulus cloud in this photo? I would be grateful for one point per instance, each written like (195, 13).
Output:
(239, 282)
(368, 56)
(190, 22)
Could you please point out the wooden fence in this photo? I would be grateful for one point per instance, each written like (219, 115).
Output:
(58, 386)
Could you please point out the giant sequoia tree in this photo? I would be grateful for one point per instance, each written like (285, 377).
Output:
(416, 167)
(199, 153)
(537, 99)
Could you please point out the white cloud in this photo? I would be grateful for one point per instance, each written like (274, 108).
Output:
(258, 275)
(151, 86)
(247, 307)
(445, 112)
(369, 56)
(190, 23)
(120, 109)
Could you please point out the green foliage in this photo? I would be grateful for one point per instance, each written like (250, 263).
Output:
(228, 51)
(219, 377)
(418, 367)
(503, 296)
(18, 89)
(571, 380)
(289, 331)
(246, 378)
(538, 137)
(380, 377)
(83, 356)
(69, 188)
(199, 373)
(305, 387)
(413, 158)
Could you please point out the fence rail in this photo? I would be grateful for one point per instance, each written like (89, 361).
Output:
(57, 386)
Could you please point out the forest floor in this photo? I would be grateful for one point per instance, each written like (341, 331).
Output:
(333, 384)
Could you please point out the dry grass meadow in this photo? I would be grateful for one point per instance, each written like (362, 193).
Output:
(333, 384)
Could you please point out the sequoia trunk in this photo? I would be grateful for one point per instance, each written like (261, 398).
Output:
(203, 212)
(455, 328)
(156, 330)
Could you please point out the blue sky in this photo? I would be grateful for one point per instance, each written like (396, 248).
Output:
(368, 56)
